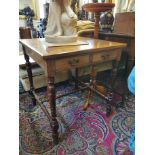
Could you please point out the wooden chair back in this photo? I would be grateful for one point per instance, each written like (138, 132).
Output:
(25, 33)
(124, 23)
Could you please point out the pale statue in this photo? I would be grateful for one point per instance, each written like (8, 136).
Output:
(62, 22)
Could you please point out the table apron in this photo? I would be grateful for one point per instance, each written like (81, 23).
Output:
(77, 61)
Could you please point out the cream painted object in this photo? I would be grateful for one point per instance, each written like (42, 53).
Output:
(62, 22)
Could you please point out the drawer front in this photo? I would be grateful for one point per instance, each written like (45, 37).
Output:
(71, 62)
(106, 56)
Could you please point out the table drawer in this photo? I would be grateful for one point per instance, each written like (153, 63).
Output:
(71, 62)
(106, 56)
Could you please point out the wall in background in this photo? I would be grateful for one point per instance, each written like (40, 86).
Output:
(38, 4)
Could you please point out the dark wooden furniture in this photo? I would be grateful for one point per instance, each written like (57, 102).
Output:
(25, 32)
(124, 32)
(97, 8)
(54, 59)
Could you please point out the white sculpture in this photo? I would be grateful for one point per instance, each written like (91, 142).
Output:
(62, 22)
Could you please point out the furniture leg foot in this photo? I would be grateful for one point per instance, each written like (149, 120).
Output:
(76, 77)
(119, 105)
(86, 105)
(54, 125)
(33, 98)
(108, 110)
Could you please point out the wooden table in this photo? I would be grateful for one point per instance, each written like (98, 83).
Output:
(54, 59)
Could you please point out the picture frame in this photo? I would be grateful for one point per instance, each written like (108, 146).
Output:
(31, 4)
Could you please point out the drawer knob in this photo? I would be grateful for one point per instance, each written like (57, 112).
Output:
(104, 57)
(73, 62)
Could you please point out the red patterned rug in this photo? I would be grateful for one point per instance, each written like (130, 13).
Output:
(81, 132)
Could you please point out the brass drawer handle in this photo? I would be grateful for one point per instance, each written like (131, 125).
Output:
(104, 57)
(73, 62)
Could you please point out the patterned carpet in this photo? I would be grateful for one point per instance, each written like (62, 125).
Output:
(81, 132)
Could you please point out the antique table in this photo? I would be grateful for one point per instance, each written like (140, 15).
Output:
(54, 59)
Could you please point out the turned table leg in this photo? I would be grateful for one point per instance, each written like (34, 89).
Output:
(114, 73)
(52, 103)
(92, 83)
(76, 78)
(113, 80)
(29, 72)
(97, 19)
